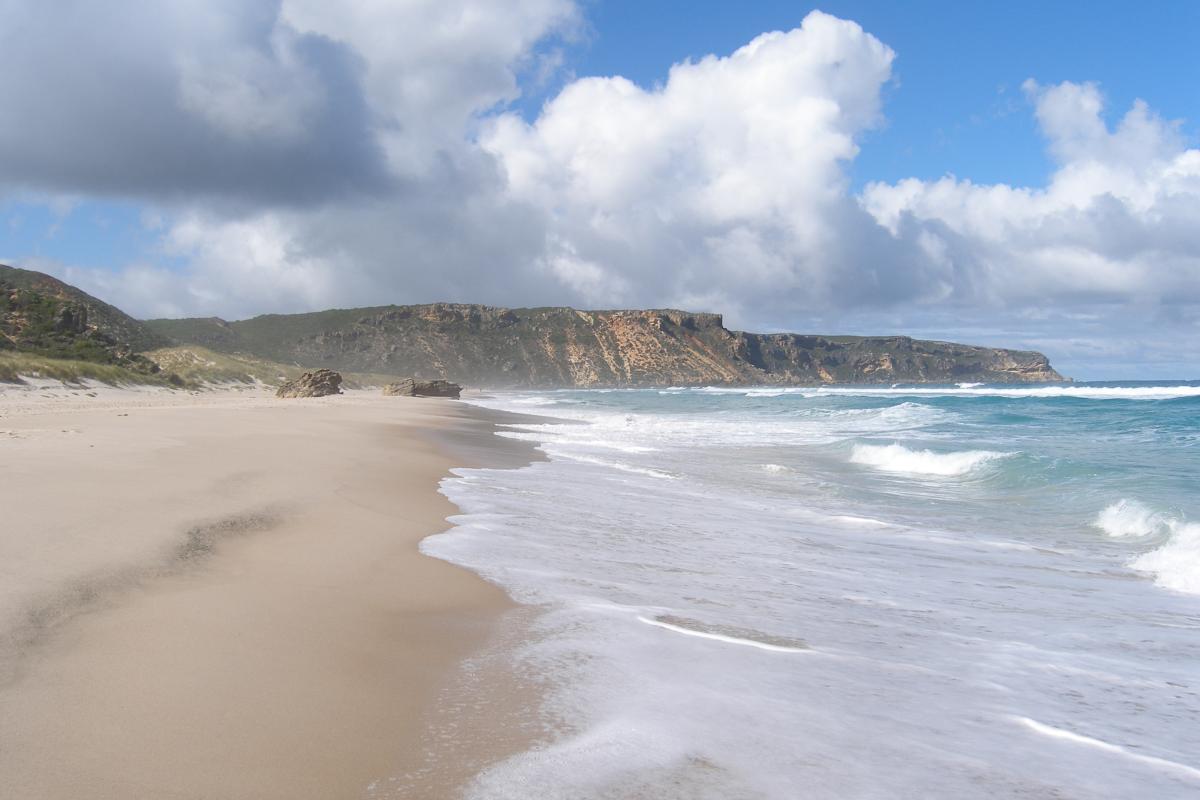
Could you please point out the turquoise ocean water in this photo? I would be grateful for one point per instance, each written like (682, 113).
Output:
(934, 592)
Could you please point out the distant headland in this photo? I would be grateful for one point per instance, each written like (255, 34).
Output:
(483, 346)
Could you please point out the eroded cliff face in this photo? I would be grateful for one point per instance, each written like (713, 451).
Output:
(534, 347)
(499, 347)
(891, 359)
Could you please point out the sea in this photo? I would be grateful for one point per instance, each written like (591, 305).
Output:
(951, 591)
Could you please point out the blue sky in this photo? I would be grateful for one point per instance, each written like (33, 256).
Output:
(955, 104)
(198, 197)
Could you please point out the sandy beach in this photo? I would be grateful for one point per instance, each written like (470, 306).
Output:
(220, 595)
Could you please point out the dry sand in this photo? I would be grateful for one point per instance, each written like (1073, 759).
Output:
(220, 595)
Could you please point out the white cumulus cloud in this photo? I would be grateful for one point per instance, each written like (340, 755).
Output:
(724, 185)
(1114, 224)
(297, 154)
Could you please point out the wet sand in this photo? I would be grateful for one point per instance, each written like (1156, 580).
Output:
(221, 596)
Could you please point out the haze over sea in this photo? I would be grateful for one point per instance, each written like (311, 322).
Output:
(851, 592)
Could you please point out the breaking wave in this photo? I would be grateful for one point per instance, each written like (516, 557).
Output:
(897, 458)
(1176, 564)
(1130, 519)
(1044, 392)
(719, 580)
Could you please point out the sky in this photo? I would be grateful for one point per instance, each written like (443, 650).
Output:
(1013, 174)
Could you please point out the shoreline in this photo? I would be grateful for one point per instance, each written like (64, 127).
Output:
(229, 599)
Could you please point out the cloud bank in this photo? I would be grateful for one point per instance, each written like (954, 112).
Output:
(1115, 224)
(301, 156)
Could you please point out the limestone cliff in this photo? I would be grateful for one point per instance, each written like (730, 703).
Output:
(499, 347)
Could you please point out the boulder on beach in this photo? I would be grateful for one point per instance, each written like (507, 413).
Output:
(410, 387)
(312, 384)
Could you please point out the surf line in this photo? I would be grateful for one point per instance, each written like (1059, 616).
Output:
(1058, 733)
(774, 648)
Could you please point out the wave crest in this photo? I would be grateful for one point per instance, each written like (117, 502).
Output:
(1130, 519)
(1176, 564)
(1079, 391)
(897, 458)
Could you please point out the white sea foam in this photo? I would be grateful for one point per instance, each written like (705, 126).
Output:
(1045, 392)
(897, 458)
(1130, 519)
(1176, 564)
(720, 637)
(927, 610)
(643, 432)
(534, 400)
(854, 519)
(965, 389)
(622, 467)
(624, 447)
(1182, 770)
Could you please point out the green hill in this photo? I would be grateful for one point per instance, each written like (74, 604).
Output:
(44, 317)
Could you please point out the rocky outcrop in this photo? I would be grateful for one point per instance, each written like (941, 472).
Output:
(46, 317)
(40, 302)
(565, 347)
(312, 384)
(794, 358)
(414, 388)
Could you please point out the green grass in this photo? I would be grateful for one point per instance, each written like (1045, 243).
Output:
(14, 366)
(182, 367)
(199, 366)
